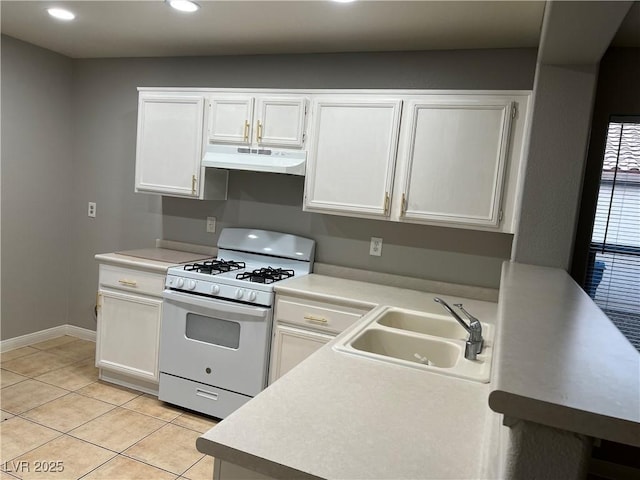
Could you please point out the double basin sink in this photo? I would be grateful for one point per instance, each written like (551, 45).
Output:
(426, 341)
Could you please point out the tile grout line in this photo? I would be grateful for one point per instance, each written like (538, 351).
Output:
(142, 461)
(48, 371)
(114, 406)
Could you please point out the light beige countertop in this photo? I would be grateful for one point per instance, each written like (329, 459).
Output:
(151, 259)
(369, 295)
(558, 361)
(341, 416)
(561, 362)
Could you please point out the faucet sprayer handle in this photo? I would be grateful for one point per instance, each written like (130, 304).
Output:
(475, 327)
(467, 314)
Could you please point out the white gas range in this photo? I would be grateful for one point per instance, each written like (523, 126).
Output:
(217, 319)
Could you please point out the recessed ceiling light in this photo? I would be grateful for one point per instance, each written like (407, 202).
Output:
(61, 13)
(184, 5)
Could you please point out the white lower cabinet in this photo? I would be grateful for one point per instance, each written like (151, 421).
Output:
(291, 345)
(128, 332)
(303, 326)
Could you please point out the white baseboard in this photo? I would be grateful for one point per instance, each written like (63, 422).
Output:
(48, 334)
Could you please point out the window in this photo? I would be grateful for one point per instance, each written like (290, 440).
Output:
(613, 275)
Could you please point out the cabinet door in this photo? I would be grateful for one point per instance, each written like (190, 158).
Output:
(280, 121)
(128, 334)
(352, 157)
(455, 166)
(230, 119)
(169, 147)
(291, 346)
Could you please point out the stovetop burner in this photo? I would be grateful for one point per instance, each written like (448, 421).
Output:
(266, 275)
(214, 267)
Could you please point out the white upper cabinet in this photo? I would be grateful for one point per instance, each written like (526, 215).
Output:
(454, 160)
(448, 159)
(352, 155)
(269, 121)
(169, 144)
(230, 119)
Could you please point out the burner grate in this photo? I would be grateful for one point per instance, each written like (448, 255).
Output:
(214, 267)
(266, 275)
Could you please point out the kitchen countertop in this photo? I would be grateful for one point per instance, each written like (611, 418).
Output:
(558, 361)
(343, 416)
(151, 259)
(561, 362)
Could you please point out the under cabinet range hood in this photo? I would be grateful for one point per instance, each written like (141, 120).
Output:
(271, 160)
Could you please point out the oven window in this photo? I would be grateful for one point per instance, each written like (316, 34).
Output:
(213, 330)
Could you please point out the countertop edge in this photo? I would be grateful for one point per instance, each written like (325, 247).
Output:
(324, 297)
(133, 262)
(560, 361)
(565, 418)
(249, 461)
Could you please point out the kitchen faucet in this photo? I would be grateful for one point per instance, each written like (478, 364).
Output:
(474, 329)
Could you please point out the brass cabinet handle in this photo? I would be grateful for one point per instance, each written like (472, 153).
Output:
(386, 203)
(128, 283)
(246, 130)
(193, 184)
(313, 318)
(98, 300)
(259, 132)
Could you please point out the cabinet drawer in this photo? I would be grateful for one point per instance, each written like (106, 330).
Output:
(317, 315)
(199, 397)
(131, 280)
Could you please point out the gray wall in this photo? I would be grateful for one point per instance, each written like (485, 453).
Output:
(553, 176)
(36, 187)
(105, 118)
(574, 37)
(617, 94)
(101, 166)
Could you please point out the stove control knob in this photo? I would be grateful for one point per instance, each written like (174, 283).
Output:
(252, 296)
(179, 282)
(239, 293)
(191, 284)
(215, 289)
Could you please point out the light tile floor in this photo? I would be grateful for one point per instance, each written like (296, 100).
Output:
(60, 422)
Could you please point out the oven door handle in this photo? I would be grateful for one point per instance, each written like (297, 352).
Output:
(212, 303)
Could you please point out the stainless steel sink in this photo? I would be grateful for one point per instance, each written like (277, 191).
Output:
(420, 340)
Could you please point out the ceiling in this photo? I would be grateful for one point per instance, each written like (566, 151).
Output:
(152, 29)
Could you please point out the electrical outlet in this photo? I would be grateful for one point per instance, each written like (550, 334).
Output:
(375, 248)
(211, 224)
(91, 211)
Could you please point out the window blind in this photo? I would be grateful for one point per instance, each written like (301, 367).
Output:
(613, 275)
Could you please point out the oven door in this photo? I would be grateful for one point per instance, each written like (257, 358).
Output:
(215, 342)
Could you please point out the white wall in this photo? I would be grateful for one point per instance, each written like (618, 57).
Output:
(36, 187)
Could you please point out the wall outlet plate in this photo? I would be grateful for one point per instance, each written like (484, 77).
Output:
(375, 248)
(211, 224)
(91, 210)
